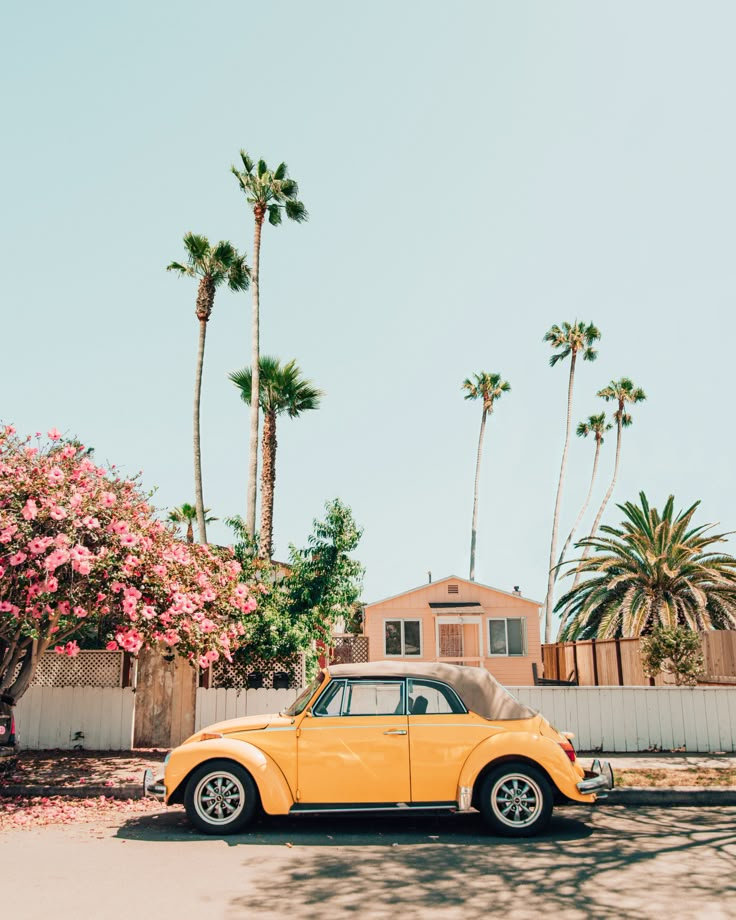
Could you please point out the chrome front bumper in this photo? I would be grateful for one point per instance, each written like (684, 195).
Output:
(152, 788)
(599, 779)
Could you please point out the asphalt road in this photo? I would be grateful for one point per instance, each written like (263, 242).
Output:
(675, 863)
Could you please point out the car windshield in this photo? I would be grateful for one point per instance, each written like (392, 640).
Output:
(300, 703)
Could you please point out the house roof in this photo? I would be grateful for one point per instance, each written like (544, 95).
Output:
(466, 581)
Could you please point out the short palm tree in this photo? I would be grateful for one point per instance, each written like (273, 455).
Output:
(654, 570)
(597, 426)
(623, 393)
(488, 388)
(187, 514)
(213, 266)
(283, 392)
(570, 339)
(267, 192)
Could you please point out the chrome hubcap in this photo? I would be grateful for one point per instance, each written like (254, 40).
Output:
(219, 798)
(516, 800)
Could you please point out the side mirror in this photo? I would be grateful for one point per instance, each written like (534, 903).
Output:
(308, 712)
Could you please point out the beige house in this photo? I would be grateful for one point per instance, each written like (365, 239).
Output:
(461, 622)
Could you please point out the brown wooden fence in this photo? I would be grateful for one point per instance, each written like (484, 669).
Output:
(617, 662)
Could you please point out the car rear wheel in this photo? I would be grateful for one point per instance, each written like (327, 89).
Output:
(220, 797)
(516, 800)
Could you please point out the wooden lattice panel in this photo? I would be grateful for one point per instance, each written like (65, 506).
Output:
(87, 669)
(257, 673)
(350, 649)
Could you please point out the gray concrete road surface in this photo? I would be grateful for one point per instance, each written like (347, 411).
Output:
(606, 863)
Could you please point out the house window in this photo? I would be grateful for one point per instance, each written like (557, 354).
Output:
(506, 637)
(402, 637)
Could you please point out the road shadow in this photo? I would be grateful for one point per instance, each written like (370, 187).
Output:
(331, 830)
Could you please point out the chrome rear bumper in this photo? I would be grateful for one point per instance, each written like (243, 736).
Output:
(155, 790)
(599, 779)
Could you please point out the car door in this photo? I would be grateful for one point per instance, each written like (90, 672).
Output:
(352, 747)
(441, 735)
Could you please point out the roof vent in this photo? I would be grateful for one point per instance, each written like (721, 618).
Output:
(453, 589)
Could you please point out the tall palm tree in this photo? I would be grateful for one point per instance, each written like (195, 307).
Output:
(213, 266)
(267, 192)
(597, 426)
(489, 388)
(568, 339)
(654, 570)
(187, 514)
(283, 391)
(623, 393)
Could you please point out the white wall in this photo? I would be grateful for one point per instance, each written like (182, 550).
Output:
(639, 718)
(216, 705)
(50, 717)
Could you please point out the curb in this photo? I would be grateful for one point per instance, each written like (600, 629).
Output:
(75, 792)
(672, 796)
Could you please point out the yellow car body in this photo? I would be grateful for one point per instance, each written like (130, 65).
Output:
(360, 738)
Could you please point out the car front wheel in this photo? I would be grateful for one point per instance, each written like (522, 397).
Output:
(516, 800)
(220, 798)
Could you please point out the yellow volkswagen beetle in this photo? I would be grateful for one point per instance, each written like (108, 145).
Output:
(378, 737)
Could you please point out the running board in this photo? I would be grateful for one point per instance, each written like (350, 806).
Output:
(378, 806)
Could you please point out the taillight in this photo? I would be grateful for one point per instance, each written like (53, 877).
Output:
(568, 749)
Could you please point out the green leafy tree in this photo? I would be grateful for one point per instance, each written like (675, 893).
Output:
(283, 392)
(213, 266)
(656, 569)
(624, 393)
(186, 515)
(488, 388)
(298, 604)
(568, 340)
(270, 193)
(597, 426)
(673, 650)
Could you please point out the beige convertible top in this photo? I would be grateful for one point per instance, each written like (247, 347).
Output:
(476, 687)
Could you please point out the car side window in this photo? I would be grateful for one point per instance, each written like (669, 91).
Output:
(374, 698)
(330, 703)
(430, 698)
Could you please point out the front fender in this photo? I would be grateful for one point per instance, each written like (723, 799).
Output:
(276, 796)
(544, 752)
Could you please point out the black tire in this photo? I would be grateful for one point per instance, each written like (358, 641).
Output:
(516, 800)
(220, 797)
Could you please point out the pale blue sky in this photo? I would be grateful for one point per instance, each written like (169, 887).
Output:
(474, 171)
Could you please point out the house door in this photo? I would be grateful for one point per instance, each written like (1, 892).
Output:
(459, 640)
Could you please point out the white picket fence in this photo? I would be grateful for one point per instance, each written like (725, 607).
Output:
(94, 718)
(216, 705)
(620, 719)
(614, 719)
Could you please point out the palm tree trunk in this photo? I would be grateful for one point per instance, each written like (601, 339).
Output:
(582, 510)
(474, 527)
(268, 483)
(255, 283)
(549, 597)
(190, 531)
(607, 496)
(198, 493)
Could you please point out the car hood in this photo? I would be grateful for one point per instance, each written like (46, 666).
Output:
(243, 724)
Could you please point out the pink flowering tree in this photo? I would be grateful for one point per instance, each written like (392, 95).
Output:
(78, 543)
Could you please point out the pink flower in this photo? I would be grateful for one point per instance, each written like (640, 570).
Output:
(80, 613)
(51, 584)
(83, 567)
(159, 570)
(18, 558)
(54, 434)
(91, 523)
(108, 499)
(7, 535)
(10, 429)
(170, 637)
(112, 646)
(128, 539)
(57, 513)
(55, 476)
(30, 510)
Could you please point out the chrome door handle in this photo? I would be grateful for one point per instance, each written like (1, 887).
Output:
(396, 731)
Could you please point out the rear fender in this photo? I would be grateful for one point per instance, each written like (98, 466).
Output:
(276, 796)
(544, 753)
